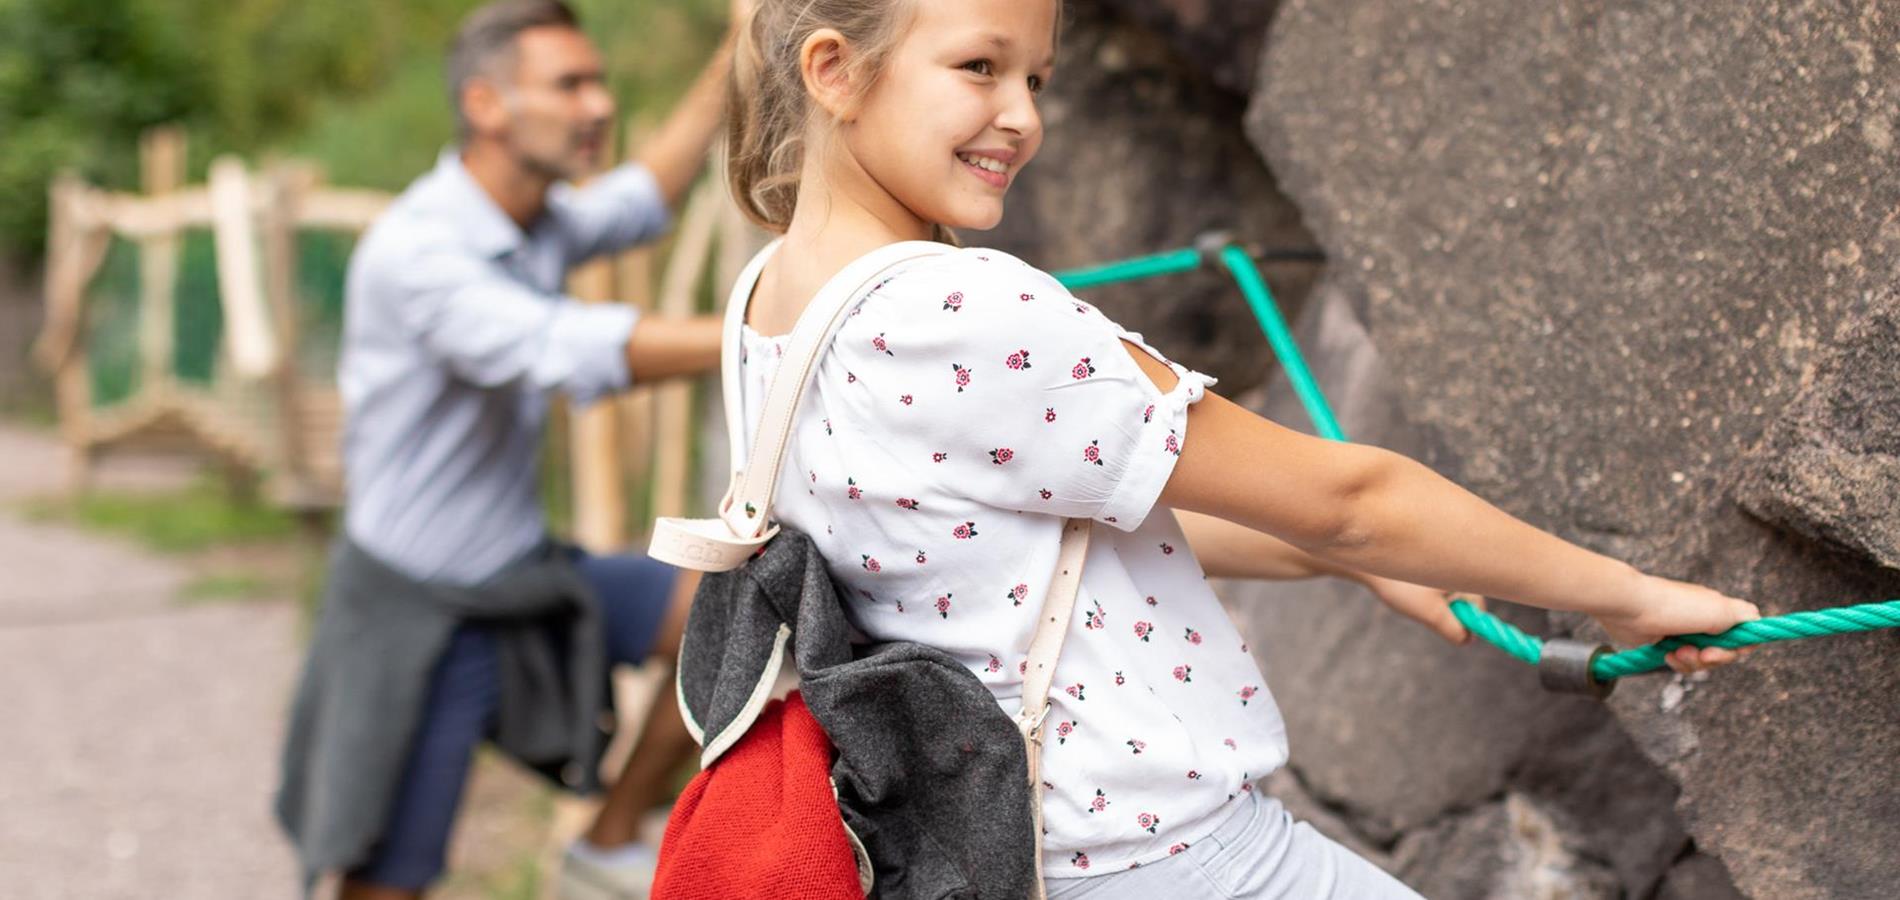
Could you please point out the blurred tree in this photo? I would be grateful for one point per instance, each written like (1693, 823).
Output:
(355, 84)
(78, 80)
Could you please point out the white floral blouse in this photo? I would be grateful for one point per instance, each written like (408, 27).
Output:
(967, 406)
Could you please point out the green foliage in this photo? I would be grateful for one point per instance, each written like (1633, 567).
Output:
(354, 84)
(79, 79)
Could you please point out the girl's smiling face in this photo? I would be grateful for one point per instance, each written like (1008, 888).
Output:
(952, 118)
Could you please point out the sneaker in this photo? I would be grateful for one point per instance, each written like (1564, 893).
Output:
(622, 873)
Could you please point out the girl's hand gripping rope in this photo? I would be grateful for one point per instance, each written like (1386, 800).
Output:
(1661, 607)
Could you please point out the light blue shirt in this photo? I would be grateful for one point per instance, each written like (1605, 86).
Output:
(455, 328)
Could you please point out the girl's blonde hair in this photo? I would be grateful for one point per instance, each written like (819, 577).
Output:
(768, 107)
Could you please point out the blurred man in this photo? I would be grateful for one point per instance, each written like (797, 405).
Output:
(449, 615)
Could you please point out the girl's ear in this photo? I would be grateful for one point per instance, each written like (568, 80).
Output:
(824, 62)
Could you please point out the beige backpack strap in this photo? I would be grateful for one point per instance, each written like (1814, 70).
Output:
(744, 522)
(1045, 648)
(731, 348)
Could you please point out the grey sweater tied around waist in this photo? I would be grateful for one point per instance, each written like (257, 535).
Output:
(365, 685)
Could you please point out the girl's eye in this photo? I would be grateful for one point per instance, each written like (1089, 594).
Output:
(1035, 84)
(979, 66)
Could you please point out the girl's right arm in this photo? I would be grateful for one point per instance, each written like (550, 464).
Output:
(1376, 511)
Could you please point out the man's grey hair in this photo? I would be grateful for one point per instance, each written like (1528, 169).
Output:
(485, 44)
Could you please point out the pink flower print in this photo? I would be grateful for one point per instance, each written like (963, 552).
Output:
(851, 489)
(1142, 630)
(964, 531)
(900, 604)
(1049, 414)
(943, 606)
(1027, 297)
(1110, 519)
(910, 504)
(1002, 455)
(1148, 414)
(1096, 618)
(1063, 730)
(1172, 444)
(1100, 803)
(814, 478)
(1082, 369)
(1137, 745)
(1044, 493)
(1075, 690)
(1148, 821)
(1246, 693)
(1022, 668)
(1166, 549)
(996, 665)
(954, 302)
(906, 399)
(1151, 602)
(939, 457)
(1093, 452)
(1194, 775)
(1080, 860)
(1243, 647)
(870, 565)
(1081, 309)
(1016, 594)
(1184, 674)
(1230, 743)
(921, 559)
(962, 376)
(1193, 637)
(827, 426)
(1177, 848)
(1119, 680)
(877, 343)
(850, 377)
(1018, 360)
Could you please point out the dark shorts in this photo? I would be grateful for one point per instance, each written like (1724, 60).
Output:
(463, 694)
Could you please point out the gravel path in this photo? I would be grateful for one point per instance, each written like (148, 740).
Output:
(141, 735)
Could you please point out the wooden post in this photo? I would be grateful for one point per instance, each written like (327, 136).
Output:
(161, 172)
(673, 428)
(633, 283)
(599, 491)
(65, 301)
(247, 332)
(285, 186)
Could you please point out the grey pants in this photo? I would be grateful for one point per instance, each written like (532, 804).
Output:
(1257, 853)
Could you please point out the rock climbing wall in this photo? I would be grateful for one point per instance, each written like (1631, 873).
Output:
(1629, 270)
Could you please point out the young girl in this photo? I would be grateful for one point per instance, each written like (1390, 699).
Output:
(971, 403)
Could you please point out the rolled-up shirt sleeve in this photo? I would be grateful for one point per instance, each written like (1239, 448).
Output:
(613, 212)
(491, 330)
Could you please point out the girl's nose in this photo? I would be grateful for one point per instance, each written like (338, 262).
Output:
(1019, 113)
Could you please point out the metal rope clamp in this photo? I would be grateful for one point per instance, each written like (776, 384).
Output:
(1211, 243)
(1565, 668)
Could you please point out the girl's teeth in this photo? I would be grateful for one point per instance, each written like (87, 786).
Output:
(984, 162)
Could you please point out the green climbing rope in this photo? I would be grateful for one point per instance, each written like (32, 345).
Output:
(1611, 666)
(1502, 634)
(1170, 263)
